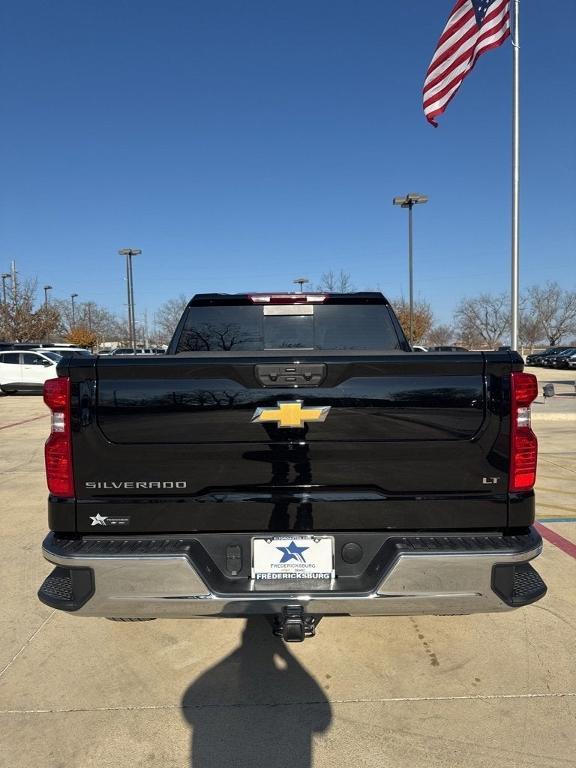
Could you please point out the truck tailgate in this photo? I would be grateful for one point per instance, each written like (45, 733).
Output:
(172, 444)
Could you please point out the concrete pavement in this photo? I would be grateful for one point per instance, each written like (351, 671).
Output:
(555, 424)
(474, 691)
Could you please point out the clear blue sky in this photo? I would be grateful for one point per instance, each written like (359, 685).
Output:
(243, 143)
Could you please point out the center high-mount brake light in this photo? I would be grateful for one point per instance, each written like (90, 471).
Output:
(287, 298)
(523, 442)
(58, 448)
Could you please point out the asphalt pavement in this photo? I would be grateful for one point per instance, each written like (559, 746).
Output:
(404, 692)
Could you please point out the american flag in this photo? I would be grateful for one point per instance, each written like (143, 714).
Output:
(474, 27)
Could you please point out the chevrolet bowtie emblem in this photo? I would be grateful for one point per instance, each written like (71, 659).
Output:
(291, 414)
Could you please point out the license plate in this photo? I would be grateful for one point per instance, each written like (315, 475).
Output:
(278, 558)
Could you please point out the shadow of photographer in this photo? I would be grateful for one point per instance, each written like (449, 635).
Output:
(257, 707)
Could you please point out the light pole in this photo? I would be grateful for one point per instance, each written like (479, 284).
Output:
(129, 252)
(46, 289)
(411, 199)
(5, 276)
(301, 282)
(72, 297)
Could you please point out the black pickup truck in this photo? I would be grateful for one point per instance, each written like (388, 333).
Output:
(291, 456)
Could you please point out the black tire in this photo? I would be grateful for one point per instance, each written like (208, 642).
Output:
(7, 391)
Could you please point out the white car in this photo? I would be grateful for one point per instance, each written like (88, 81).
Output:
(26, 371)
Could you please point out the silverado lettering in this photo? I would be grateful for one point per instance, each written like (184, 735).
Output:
(330, 470)
(127, 484)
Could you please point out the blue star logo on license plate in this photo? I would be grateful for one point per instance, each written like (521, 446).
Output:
(293, 552)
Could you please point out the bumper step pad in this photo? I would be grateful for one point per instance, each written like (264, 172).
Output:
(67, 588)
(58, 585)
(518, 584)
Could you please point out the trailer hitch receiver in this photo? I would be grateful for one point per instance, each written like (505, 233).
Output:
(293, 626)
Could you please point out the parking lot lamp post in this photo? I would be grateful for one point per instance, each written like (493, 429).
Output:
(72, 297)
(129, 252)
(301, 281)
(46, 289)
(411, 199)
(5, 276)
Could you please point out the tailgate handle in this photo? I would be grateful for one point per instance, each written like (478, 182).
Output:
(291, 375)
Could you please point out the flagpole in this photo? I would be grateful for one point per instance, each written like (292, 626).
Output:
(515, 176)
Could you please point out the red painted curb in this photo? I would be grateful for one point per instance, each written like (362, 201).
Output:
(26, 421)
(559, 541)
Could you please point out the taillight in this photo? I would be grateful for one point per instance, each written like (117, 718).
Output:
(58, 448)
(523, 442)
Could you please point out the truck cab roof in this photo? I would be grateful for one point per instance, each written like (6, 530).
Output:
(279, 297)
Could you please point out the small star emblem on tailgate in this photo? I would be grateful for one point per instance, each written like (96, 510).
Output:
(98, 519)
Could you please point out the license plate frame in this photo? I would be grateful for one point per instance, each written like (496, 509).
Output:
(283, 558)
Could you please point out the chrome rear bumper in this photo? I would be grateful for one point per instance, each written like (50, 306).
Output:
(416, 581)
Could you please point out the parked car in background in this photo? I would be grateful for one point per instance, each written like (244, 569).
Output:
(537, 358)
(550, 360)
(139, 351)
(561, 360)
(26, 371)
(571, 362)
(532, 358)
(448, 349)
(124, 351)
(66, 351)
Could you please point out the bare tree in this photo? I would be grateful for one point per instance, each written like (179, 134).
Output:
(554, 309)
(20, 321)
(336, 283)
(97, 321)
(168, 316)
(483, 320)
(440, 335)
(530, 330)
(422, 318)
